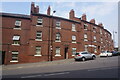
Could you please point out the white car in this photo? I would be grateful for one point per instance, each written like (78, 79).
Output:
(105, 54)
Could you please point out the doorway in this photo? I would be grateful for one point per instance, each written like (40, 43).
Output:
(66, 53)
(3, 57)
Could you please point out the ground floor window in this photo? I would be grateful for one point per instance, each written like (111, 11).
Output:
(73, 51)
(14, 56)
(57, 51)
(38, 50)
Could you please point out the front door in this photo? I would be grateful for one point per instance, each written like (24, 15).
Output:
(66, 53)
(3, 57)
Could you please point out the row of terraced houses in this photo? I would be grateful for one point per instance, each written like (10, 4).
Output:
(43, 37)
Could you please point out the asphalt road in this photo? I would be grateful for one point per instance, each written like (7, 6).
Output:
(106, 67)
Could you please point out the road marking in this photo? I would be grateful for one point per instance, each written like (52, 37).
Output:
(101, 69)
(45, 75)
(56, 74)
(31, 76)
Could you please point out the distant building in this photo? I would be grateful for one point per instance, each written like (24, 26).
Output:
(42, 37)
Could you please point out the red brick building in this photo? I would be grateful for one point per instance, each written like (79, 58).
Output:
(42, 37)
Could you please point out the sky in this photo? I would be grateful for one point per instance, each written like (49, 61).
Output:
(105, 12)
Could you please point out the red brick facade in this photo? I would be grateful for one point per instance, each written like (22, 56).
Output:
(48, 44)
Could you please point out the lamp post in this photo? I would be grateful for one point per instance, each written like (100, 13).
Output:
(51, 40)
(114, 32)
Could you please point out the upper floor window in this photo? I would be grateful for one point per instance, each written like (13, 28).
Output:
(85, 26)
(58, 24)
(39, 21)
(14, 56)
(16, 40)
(39, 35)
(94, 38)
(58, 37)
(38, 51)
(57, 51)
(73, 39)
(85, 37)
(17, 23)
(73, 27)
(94, 29)
(100, 31)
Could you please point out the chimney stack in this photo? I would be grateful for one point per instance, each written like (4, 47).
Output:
(34, 9)
(84, 17)
(92, 21)
(100, 24)
(37, 9)
(71, 14)
(48, 10)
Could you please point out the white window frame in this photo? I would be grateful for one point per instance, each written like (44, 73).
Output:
(57, 51)
(58, 38)
(15, 53)
(73, 39)
(73, 27)
(74, 51)
(39, 22)
(85, 25)
(94, 37)
(58, 25)
(100, 31)
(37, 37)
(16, 40)
(38, 51)
(17, 24)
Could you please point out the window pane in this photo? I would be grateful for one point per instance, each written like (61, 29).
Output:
(73, 51)
(73, 37)
(39, 35)
(38, 50)
(15, 55)
(57, 36)
(57, 50)
(16, 37)
(17, 23)
(57, 23)
(73, 27)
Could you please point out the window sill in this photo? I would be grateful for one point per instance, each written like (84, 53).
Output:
(16, 44)
(73, 42)
(73, 30)
(37, 55)
(38, 39)
(39, 25)
(13, 61)
(57, 55)
(58, 28)
(57, 41)
(73, 55)
(17, 28)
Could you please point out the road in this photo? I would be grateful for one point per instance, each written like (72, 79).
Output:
(106, 67)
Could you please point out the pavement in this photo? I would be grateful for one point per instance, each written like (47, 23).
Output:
(37, 64)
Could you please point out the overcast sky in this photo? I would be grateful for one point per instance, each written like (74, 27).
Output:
(105, 12)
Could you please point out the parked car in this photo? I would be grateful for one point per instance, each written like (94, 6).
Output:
(105, 54)
(84, 56)
(114, 53)
(118, 53)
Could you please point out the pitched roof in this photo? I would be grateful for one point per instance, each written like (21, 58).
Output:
(15, 15)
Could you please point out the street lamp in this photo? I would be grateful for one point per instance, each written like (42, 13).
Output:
(114, 32)
(51, 43)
